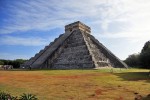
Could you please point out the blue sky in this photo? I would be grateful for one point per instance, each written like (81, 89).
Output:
(27, 26)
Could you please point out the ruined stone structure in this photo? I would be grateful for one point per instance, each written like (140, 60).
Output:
(75, 49)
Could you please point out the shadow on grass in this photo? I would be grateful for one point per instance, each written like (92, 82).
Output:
(140, 97)
(147, 97)
(134, 76)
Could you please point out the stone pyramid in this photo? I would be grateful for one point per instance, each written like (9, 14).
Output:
(75, 49)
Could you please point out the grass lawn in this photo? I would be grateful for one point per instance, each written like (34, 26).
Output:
(102, 84)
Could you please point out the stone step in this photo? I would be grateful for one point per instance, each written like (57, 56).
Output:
(77, 48)
(87, 57)
(41, 51)
(76, 44)
(31, 58)
(51, 50)
(75, 53)
(93, 46)
(98, 55)
(75, 59)
(76, 35)
(30, 61)
(45, 48)
(75, 40)
(74, 62)
(51, 43)
(35, 57)
(60, 35)
(73, 66)
(103, 63)
(65, 61)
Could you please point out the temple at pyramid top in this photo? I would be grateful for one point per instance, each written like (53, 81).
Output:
(77, 26)
(75, 49)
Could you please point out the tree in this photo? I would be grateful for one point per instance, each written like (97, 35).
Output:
(142, 59)
(133, 60)
(1, 62)
(15, 63)
(145, 55)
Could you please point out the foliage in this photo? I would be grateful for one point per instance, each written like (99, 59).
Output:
(142, 59)
(7, 96)
(1, 63)
(28, 97)
(146, 47)
(133, 60)
(15, 63)
(145, 55)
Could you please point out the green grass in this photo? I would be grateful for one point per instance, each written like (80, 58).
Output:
(102, 84)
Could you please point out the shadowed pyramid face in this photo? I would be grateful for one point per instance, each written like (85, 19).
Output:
(75, 49)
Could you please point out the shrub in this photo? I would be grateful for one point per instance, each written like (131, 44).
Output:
(7, 96)
(28, 97)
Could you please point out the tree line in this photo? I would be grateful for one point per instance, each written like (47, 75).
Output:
(142, 59)
(15, 63)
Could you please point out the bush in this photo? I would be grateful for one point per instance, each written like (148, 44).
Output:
(7, 96)
(28, 97)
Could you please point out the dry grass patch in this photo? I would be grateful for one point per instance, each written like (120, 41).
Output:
(77, 84)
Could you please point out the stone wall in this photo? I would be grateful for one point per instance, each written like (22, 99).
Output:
(75, 54)
(42, 60)
(99, 58)
(114, 61)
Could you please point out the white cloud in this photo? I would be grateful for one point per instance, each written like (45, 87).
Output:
(134, 17)
(47, 14)
(129, 18)
(30, 41)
